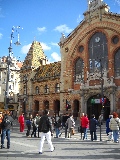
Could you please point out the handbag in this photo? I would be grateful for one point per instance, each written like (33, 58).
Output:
(72, 131)
(81, 129)
(118, 124)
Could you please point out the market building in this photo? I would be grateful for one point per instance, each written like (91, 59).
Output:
(88, 77)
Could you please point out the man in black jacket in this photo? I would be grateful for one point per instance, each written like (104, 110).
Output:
(93, 126)
(6, 125)
(45, 127)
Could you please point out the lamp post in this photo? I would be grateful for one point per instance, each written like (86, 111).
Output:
(25, 80)
(102, 98)
(9, 61)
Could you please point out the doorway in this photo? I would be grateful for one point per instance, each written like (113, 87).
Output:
(75, 108)
(56, 107)
(36, 107)
(94, 106)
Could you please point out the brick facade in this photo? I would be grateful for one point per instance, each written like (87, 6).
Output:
(76, 94)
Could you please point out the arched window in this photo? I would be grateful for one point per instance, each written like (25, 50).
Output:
(57, 87)
(117, 63)
(37, 90)
(79, 70)
(46, 89)
(98, 52)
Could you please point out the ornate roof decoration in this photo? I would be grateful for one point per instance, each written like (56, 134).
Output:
(35, 57)
(94, 4)
(48, 71)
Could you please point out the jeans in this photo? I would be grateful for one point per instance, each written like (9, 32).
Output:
(95, 136)
(57, 132)
(85, 133)
(34, 131)
(115, 135)
(5, 133)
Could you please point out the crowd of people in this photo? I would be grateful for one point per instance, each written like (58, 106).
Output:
(112, 126)
(56, 125)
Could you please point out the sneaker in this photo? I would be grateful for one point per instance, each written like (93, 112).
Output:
(117, 142)
(53, 149)
(2, 147)
(40, 152)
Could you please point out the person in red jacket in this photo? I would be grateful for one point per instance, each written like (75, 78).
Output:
(85, 125)
(21, 121)
(1, 117)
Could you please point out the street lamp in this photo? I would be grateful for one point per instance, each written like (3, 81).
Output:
(101, 117)
(102, 97)
(9, 61)
(25, 80)
(99, 64)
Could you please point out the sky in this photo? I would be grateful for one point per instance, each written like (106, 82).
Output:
(43, 21)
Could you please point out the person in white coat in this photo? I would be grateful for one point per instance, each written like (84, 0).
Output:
(114, 125)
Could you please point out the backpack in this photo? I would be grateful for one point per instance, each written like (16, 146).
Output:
(6, 122)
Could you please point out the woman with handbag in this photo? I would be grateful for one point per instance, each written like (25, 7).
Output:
(114, 125)
(71, 124)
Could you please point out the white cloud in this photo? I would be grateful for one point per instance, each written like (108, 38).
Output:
(25, 48)
(1, 35)
(40, 30)
(45, 47)
(54, 44)
(63, 29)
(118, 2)
(55, 56)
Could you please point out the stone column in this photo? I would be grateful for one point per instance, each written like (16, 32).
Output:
(82, 104)
(85, 106)
(112, 107)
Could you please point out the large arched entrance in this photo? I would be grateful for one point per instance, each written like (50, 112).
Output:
(75, 108)
(94, 106)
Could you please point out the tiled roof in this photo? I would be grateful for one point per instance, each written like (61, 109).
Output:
(51, 70)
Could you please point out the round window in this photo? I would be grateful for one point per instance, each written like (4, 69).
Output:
(115, 39)
(81, 48)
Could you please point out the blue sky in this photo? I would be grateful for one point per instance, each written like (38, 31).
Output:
(43, 21)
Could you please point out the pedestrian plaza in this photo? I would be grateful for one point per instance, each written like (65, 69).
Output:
(24, 148)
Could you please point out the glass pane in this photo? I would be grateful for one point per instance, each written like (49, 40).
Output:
(98, 52)
(117, 63)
